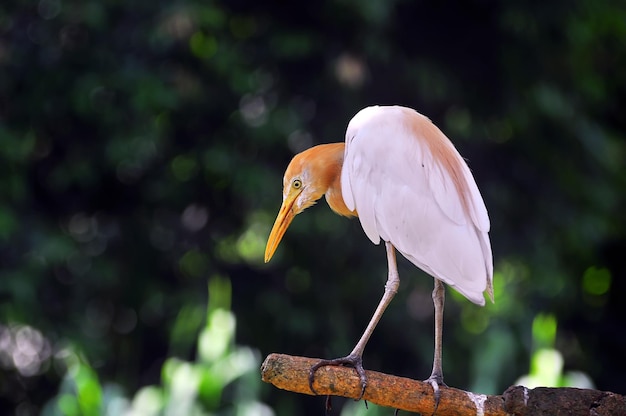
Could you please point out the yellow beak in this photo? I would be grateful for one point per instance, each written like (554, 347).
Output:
(284, 218)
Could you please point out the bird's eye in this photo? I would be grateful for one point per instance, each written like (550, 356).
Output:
(296, 184)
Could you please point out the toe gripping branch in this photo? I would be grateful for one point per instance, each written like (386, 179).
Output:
(435, 382)
(354, 361)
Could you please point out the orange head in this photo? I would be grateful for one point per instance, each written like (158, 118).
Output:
(307, 178)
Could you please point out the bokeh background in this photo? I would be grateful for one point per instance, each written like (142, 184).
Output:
(142, 147)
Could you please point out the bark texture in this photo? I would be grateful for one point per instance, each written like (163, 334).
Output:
(292, 373)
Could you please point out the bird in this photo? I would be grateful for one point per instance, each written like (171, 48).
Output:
(409, 187)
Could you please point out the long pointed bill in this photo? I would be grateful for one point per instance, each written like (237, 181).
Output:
(284, 218)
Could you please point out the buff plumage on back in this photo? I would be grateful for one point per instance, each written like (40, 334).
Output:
(411, 187)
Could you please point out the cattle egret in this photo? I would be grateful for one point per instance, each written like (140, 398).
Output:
(409, 186)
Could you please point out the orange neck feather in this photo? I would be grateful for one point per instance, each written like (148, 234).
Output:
(330, 158)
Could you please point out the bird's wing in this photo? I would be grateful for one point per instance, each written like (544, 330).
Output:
(410, 187)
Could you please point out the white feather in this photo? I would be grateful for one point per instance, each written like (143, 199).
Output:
(404, 195)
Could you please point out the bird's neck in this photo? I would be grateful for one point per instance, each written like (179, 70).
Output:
(332, 173)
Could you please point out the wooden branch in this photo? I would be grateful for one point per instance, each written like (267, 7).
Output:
(292, 373)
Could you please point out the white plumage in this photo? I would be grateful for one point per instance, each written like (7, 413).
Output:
(398, 174)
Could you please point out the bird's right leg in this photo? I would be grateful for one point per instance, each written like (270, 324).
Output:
(355, 358)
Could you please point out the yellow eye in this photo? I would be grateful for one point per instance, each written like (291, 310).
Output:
(296, 184)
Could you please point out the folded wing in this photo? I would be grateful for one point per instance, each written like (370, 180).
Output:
(411, 187)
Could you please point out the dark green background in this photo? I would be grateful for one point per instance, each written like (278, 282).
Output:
(142, 146)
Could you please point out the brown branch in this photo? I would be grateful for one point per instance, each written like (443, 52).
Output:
(292, 373)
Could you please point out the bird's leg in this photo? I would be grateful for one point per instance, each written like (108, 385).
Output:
(436, 377)
(354, 359)
(329, 405)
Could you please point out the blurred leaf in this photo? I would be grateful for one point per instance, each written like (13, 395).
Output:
(544, 330)
(216, 338)
(68, 405)
(596, 281)
(203, 46)
(186, 327)
(194, 264)
(148, 401)
(220, 295)
(184, 167)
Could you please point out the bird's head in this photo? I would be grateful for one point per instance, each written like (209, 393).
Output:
(306, 180)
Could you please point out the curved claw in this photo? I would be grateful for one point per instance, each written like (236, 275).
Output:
(354, 361)
(436, 382)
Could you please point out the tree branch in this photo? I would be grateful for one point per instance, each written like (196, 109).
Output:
(292, 373)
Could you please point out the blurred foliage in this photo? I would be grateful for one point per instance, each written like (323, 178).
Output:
(143, 145)
(546, 364)
(187, 388)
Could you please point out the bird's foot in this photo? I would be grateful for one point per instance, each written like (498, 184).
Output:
(354, 361)
(436, 381)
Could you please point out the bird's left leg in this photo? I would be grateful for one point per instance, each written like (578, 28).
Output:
(355, 358)
(436, 377)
